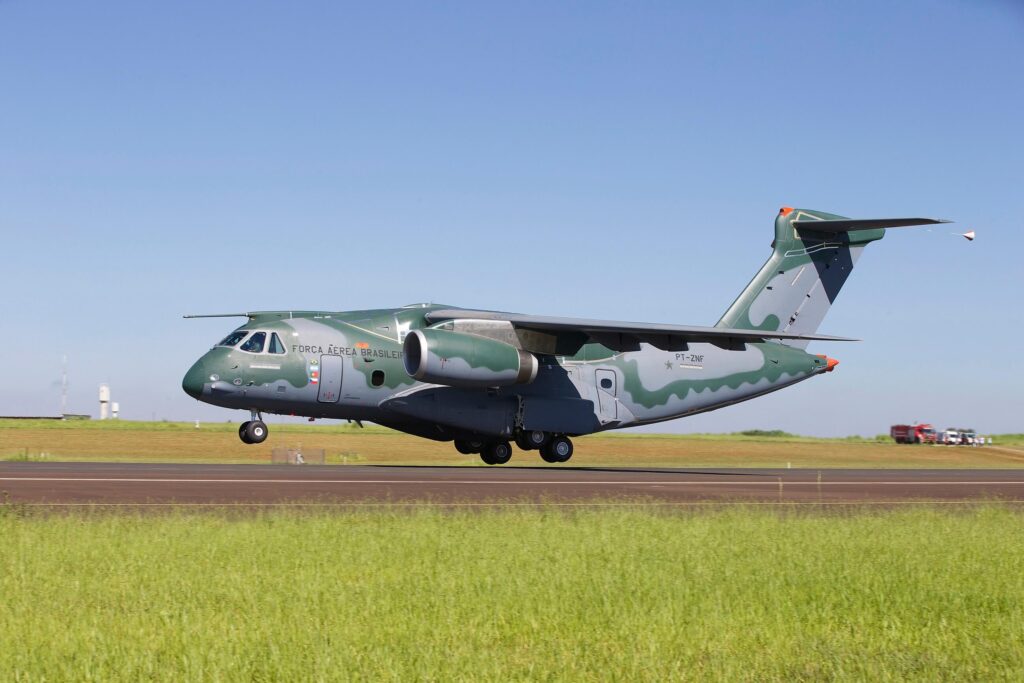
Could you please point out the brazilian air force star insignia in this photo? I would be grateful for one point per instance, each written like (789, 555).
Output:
(668, 365)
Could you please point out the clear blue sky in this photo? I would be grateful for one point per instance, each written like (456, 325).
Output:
(621, 160)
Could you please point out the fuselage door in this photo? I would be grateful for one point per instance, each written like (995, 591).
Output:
(607, 390)
(330, 379)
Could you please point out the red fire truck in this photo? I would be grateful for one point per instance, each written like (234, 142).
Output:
(922, 433)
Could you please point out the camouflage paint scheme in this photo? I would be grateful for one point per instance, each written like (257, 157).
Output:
(585, 382)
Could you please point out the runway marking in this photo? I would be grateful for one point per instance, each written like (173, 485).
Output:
(636, 504)
(681, 503)
(774, 481)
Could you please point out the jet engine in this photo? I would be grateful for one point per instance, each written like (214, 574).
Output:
(466, 360)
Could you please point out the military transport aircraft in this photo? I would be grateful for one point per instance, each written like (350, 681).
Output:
(485, 378)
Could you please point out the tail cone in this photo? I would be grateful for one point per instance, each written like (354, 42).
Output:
(830, 363)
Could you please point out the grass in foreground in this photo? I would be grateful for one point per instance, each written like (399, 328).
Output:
(343, 444)
(534, 594)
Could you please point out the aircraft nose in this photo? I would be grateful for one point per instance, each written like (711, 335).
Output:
(194, 379)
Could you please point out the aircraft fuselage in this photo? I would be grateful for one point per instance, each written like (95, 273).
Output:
(352, 365)
(483, 378)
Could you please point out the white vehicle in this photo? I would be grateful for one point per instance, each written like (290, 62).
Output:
(950, 437)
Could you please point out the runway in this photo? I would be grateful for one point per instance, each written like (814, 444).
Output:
(118, 484)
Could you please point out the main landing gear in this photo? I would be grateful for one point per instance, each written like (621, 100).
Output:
(254, 430)
(496, 453)
(554, 448)
(558, 449)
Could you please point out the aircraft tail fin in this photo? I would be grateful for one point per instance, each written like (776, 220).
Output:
(812, 255)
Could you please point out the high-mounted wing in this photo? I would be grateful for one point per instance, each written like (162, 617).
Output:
(217, 315)
(565, 336)
(262, 315)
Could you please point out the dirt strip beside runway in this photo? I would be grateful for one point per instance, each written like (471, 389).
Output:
(148, 484)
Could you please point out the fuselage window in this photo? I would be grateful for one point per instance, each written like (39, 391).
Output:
(377, 378)
(234, 338)
(255, 343)
(606, 383)
(275, 343)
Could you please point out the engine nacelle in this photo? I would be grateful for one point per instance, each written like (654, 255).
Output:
(465, 360)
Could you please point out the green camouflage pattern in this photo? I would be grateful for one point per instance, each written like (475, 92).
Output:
(797, 285)
(352, 365)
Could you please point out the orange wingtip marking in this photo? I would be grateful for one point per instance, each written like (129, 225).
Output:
(362, 345)
(785, 211)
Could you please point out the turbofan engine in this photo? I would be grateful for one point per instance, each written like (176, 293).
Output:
(466, 360)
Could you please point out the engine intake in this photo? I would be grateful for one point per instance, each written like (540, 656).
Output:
(465, 360)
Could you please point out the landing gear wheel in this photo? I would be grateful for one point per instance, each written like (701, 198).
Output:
(468, 447)
(241, 432)
(256, 432)
(531, 440)
(496, 453)
(559, 449)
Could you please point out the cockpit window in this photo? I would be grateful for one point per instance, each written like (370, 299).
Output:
(233, 338)
(255, 343)
(275, 343)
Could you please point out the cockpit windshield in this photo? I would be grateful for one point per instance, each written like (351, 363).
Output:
(255, 343)
(233, 338)
(275, 344)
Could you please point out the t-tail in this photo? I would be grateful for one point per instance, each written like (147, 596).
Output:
(812, 256)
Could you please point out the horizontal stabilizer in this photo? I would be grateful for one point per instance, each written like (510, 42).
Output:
(848, 224)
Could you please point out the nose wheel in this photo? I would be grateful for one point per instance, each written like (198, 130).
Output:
(253, 431)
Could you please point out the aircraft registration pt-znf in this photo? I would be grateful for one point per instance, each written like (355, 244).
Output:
(484, 379)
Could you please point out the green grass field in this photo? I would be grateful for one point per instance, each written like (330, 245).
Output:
(514, 594)
(126, 441)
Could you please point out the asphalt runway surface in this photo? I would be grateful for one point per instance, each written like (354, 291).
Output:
(123, 484)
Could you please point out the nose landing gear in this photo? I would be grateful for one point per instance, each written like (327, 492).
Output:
(253, 431)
